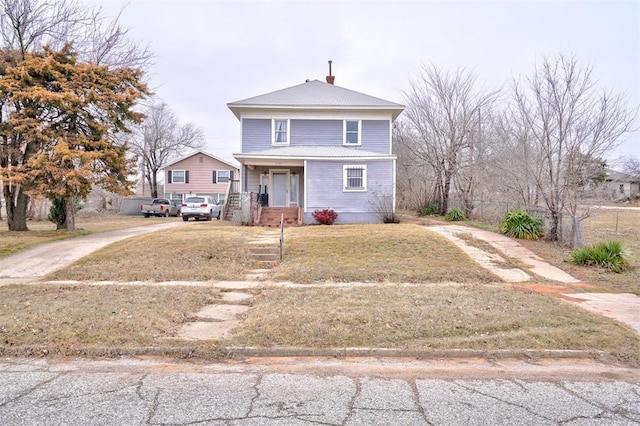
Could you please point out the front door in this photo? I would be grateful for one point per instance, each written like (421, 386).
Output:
(278, 196)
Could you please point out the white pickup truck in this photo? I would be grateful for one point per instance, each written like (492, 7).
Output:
(160, 207)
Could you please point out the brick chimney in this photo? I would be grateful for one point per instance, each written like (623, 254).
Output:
(330, 78)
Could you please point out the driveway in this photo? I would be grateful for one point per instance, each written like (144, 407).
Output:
(39, 261)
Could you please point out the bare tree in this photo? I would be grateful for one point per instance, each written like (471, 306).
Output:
(413, 178)
(565, 125)
(160, 138)
(442, 116)
(27, 26)
(632, 167)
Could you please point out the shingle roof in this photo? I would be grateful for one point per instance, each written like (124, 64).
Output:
(203, 153)
(316, 94)
(303, 152)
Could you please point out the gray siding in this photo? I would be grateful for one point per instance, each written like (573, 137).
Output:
(375, 136)
(324, 189)
(256, 134)
(316, 132)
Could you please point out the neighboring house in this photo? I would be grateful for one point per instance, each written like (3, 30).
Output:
(199, 173)
(316, 146)
(621, 185)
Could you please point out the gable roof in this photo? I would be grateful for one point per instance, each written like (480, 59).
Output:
(615, 176)
(317, 95)
(235, 166)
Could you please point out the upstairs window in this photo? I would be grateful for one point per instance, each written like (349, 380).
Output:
(352, 132)
(280, 134)
(354, 178)
(178, 176)
(221, 176)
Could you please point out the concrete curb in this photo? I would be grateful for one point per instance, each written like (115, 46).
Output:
(235, 352)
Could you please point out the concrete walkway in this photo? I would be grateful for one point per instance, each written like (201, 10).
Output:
(509, 248)
(623, 307)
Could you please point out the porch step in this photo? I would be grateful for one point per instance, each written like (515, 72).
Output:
(270, 216)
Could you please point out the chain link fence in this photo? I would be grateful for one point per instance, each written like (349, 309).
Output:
(597, 222)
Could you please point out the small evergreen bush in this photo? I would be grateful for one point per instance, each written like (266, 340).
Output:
(455, 215)
(517, 223)
(325, 217)
(430, 209)
(610, 255)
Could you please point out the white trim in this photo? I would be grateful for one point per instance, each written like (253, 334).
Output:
(344, 133)
(273, 131)
(390, 137)
(260, 160)
(332, 114)
(304, 184)
(393, 189)
(362, 167)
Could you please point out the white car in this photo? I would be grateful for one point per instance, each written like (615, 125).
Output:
(200, 207)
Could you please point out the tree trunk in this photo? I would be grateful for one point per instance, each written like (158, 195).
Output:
(154, 183)
(16, 204)
(70, 217)
(555, 226)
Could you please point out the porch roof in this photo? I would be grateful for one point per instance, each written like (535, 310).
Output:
(313, 153)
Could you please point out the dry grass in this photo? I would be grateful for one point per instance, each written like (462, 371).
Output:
(429, 317)
(210, 251)
(373, 253)
(622, 225)
(194, 252)
(65, 319)
(44, 231)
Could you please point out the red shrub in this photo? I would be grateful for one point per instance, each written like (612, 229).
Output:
(325, 217)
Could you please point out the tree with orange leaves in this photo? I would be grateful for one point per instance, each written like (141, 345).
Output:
(63, 121)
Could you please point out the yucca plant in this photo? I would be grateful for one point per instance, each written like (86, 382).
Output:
(455, 215)
(610, 255)
(517, 223)
(430, 209)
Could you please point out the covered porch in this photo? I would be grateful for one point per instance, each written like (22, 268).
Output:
(278, 187)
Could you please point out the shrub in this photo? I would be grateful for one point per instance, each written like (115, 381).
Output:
(517, 223)
(430, 209)
(455, 215)
(610, 255)
(325, 217)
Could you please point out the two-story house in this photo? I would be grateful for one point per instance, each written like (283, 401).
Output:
(316, 146)
(199, 173)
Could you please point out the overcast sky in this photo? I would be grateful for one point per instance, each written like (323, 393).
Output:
(210, 53)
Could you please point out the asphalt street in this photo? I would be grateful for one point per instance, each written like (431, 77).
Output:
(314, 392)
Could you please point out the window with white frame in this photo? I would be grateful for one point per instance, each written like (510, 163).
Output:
(352, 132)
(178, 176)
(221, 176)
(280, 134)
(354, 177)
